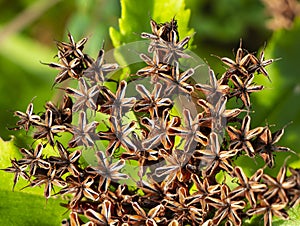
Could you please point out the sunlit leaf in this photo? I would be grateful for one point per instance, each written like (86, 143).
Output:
(27, 207)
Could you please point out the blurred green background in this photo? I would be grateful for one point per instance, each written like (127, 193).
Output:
(28, 30)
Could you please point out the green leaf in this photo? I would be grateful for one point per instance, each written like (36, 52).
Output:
(294, 215)
(27, 207)
(19, 208)
(294, 220)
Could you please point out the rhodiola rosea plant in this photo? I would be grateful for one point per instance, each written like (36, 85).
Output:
(155, 147)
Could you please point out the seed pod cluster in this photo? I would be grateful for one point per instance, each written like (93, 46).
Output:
(175, 157)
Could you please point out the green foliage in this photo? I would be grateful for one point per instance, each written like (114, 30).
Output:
(27, 207)
(293, 221)
(19, 208)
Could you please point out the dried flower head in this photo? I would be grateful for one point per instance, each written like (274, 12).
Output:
(158, 160)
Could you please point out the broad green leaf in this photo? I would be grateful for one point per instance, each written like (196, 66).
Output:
(132, 21)
(19, 208)
(26, 207)
(165, 10)
(294, 220)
